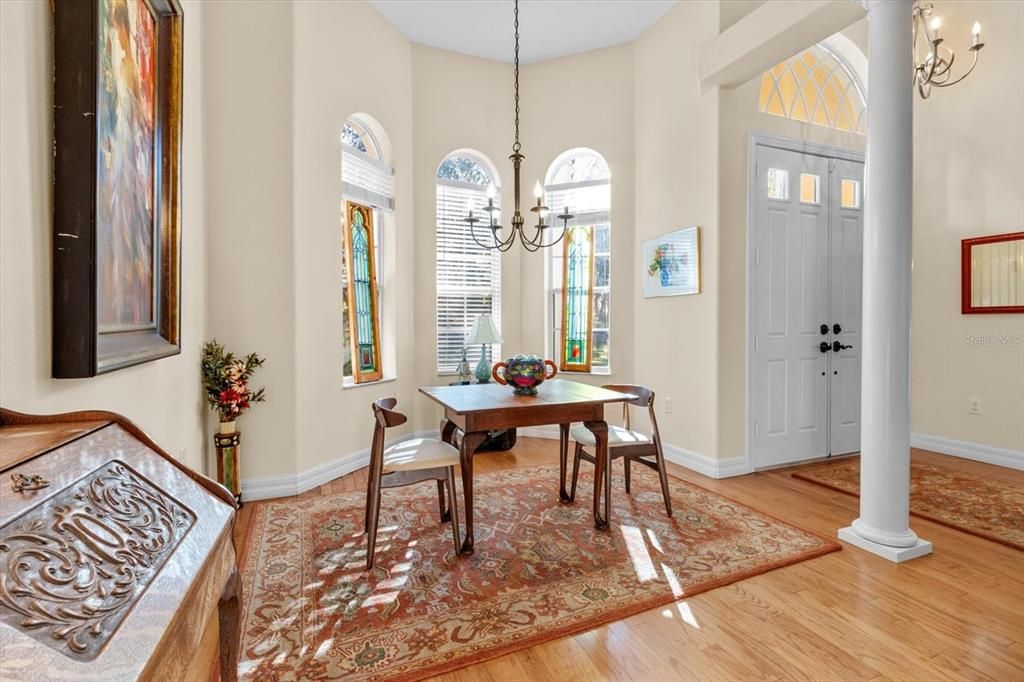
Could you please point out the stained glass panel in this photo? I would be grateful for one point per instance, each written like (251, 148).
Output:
(577, 310)
(362, 312)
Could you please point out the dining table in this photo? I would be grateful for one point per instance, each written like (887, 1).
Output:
(473, 411)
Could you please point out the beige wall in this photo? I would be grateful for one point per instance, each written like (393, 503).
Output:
(968, 182)
(163, 396)
(676, 157)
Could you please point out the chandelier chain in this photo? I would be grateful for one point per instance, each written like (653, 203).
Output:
(516, 146)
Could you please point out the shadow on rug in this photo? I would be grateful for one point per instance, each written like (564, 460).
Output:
(989, 508)
(540, 571)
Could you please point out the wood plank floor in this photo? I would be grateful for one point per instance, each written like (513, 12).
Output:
(957, 614)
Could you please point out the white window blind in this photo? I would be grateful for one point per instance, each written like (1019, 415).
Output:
(367, 181)
(468, 276)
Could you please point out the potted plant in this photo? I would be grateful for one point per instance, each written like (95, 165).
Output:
(226, 383)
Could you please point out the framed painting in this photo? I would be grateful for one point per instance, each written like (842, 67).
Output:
(117, 184)
(992, 274)
(671, 264)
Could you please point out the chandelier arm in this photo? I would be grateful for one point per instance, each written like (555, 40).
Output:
(947, 83)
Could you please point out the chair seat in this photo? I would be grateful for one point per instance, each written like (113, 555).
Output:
(419, 453)
(617, 436)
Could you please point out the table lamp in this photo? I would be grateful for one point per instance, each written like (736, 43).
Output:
(484, 332)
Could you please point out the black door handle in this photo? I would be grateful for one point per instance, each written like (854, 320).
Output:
(824, 329)
(836, 347)
(836, 328)
(824, 347)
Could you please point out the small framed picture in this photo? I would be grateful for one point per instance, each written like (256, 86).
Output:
(671, 263)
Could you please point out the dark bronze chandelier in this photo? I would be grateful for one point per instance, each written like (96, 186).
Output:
(542, 232)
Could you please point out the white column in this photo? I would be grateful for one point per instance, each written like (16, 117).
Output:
(884, 524)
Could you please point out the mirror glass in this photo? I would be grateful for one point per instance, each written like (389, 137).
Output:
(997, 274)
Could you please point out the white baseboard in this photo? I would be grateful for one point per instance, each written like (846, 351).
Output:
(286, 485)
(702, 464)
(1013, 459)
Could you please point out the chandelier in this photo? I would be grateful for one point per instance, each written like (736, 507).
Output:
(936, 68)
(543, 234)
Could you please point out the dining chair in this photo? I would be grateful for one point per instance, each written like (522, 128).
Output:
(405, 463)
(625, 443)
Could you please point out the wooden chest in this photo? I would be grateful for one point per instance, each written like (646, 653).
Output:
(114, 557)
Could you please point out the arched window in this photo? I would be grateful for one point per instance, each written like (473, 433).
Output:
(580, 267)
(816, 86)
(468, 276)
(367, 204)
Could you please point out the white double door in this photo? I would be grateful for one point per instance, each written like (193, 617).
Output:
(805, 318)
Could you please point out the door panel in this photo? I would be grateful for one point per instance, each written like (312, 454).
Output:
(807, 272)
(790, 304)
(846, 239)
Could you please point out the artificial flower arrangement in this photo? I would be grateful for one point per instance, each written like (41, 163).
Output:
(226, 381)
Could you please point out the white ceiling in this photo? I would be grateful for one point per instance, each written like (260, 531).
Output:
(547, 28)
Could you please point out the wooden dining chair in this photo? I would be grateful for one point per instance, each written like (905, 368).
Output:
(404, 463)
(625, 443)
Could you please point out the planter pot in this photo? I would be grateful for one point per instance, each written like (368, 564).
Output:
(227, 427)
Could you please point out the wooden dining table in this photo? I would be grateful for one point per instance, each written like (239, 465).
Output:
(475, 410)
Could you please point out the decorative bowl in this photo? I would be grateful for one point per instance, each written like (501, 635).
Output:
(524, 373)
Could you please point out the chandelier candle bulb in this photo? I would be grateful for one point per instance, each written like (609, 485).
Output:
(975, 34)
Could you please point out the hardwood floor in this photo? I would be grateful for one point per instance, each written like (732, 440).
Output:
(956, 614)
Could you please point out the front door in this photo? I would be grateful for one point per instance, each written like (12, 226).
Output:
(806, 297)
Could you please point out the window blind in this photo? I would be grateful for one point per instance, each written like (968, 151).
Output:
(367, 181)
(468, 276)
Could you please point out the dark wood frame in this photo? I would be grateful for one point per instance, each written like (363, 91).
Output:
(358, 376)
(965, 275)
(79, 350)
(631, 453)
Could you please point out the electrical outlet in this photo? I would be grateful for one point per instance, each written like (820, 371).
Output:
(668, 405)
(974, 405)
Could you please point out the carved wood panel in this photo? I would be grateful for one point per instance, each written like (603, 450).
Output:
(72, 567)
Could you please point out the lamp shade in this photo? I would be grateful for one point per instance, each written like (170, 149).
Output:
(484, 331)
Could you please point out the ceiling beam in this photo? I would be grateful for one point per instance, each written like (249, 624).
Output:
(776, 30)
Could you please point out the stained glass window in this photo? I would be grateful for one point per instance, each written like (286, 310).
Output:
(577, 307)
(580, 180)
(363, 323)
(815, 86)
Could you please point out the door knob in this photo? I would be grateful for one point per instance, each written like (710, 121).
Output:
(836, 346)
(836, 328)
(824, 347)
(824, 329)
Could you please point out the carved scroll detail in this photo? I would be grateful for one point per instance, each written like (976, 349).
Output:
(71, 568)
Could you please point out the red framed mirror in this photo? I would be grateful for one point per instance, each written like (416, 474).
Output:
(992, 274)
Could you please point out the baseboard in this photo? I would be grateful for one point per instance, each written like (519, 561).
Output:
(702, 464)
(287, 485)
(1013, 459)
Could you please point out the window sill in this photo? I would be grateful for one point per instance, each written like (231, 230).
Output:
(348, 383)
(592, 373)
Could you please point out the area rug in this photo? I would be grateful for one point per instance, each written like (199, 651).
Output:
(540, 571)
(989, 508)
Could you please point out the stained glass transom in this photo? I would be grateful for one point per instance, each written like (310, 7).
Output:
(814, 87)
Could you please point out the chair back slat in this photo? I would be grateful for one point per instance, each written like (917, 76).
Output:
(385, 417)
(644, 396)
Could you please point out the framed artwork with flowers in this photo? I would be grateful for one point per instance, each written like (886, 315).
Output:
(670, 264)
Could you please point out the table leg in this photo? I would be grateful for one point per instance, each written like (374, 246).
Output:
(563, 457)
(602, 473)
(470, 442)
(228, 614)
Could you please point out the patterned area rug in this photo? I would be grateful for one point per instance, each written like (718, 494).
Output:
(540, 571)
(989, 508)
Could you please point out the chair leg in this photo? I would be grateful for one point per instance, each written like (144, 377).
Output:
(663, 475)
(575, 470)
(625, 463)
(369, 496)
(453, 508)
(374, 520)
(445, 512)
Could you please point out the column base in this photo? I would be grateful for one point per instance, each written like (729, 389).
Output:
(894, 554)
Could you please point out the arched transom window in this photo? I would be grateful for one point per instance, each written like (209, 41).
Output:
(468, 276)
(815, 86)
(579, 275)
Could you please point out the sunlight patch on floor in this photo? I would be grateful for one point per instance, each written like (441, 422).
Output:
(638, 553)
